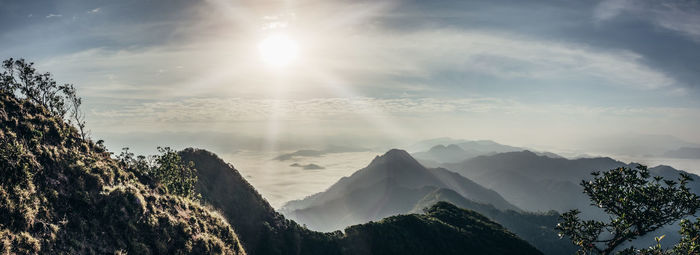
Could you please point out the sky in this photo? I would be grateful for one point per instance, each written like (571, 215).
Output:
(573, 76)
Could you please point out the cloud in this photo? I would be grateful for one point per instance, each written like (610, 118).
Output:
(679, 16)
(310, 166)
(238, 109)
(51, 15)
(407, 62)
(216, 110)
(609, 9)
(94, 11)
(431, 53)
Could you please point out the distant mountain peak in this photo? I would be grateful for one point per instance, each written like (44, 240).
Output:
(394, 155)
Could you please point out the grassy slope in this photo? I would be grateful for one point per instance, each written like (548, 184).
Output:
(62, 194)
(448, 230)
(535, 228)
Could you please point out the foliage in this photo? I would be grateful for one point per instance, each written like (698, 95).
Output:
(689, 243)
(22, 80)
(690, 238)
(139, 165)
(637, 204)
(537, 229)
(166, 169)
(442, 229)
(76, 114)
(176, 175)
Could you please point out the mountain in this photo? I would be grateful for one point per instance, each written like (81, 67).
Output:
(391, 184)
(463, 150)
(444, 226)
(473, 147)
(535, 228)
(444, 229)
(222, 186)
(486, 146)
(429, 143)
(61, 194)
(443, 154)
(533, 182)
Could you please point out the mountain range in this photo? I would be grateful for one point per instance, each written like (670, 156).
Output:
(526, 190)
(541, 183)
(395, 183)
(439, 154)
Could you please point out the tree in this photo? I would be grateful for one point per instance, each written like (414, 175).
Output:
(637, 204)
(690, 238)
(139, 165)
(177, 176)
(22, 80)
(689, 243)
(76, 115)
(167, 169)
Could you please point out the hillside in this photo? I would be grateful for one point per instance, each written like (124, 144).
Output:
(60, 194)
(444, 226)
(391, 184)
(535, 228)
(262, 229)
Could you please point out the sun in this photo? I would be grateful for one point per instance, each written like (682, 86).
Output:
(278, 50)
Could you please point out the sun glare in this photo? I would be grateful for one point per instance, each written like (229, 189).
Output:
(278, 50)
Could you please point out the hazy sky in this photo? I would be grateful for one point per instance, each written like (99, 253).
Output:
(556, 74)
